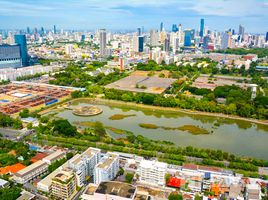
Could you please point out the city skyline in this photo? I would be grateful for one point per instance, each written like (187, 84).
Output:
(116, 15)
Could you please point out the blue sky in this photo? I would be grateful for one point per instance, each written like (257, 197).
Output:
(130, 14)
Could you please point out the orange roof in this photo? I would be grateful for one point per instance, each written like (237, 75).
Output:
(38, 156)
(12, 168)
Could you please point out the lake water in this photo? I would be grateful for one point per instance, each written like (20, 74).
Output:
(234, 136)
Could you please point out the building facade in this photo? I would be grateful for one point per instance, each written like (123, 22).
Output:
(107, 168)
(152, 172)
(21, 40)
(64, 185)
(10, 56)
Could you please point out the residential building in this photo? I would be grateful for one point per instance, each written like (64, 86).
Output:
(64, 185)
(152, 172)
(84, 165)
(10, 56)
(107, 168)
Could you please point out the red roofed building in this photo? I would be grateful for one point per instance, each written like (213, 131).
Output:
(38, 156)
(175, 182)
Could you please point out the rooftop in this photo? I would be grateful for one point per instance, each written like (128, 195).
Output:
(64, 176)
(38, 156)
(12, 168)
(31, 168)
(120, 189)
(107, 161)
(55, 155)
(152, 164)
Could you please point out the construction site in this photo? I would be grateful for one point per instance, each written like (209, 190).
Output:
(17, 96)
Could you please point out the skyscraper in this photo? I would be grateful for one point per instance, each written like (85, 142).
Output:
(202, 26)
(266, 39)
(161, 26)
(141, 43)
(241, 31)
(166, 46)
(139, 31)
(42, 31)
(28, 30)
(174, 28)
(102, 42)
(54, 29)
(187, 38)
(21, 40)
(224, 40)
(154, 38)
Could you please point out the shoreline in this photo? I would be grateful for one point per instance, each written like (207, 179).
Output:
(185, 111)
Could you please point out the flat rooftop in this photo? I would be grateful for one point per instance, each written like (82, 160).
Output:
(106, 161)
(120, 189)
(147, 84)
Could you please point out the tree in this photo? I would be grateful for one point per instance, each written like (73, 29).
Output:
(29, 126)
(24, 113)
(99, 129)
(197, 197)
(175, 196)
(64, 127)
(129, 177)
(76, 94)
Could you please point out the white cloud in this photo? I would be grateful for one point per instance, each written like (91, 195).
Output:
(232, 8)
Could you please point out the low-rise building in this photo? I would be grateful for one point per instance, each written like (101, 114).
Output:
(115, 191)
(107, 168)
(31, 172)
(38, 168)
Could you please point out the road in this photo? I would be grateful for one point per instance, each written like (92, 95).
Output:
(10, 134)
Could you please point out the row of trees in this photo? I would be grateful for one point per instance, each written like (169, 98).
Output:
(237, 102)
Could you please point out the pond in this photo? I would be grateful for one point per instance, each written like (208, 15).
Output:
(235, 136)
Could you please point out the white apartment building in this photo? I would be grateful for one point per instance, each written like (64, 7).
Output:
(107, 168)
(152, 172)
(84, 165)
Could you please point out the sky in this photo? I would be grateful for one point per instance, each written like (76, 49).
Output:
(130, 14)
